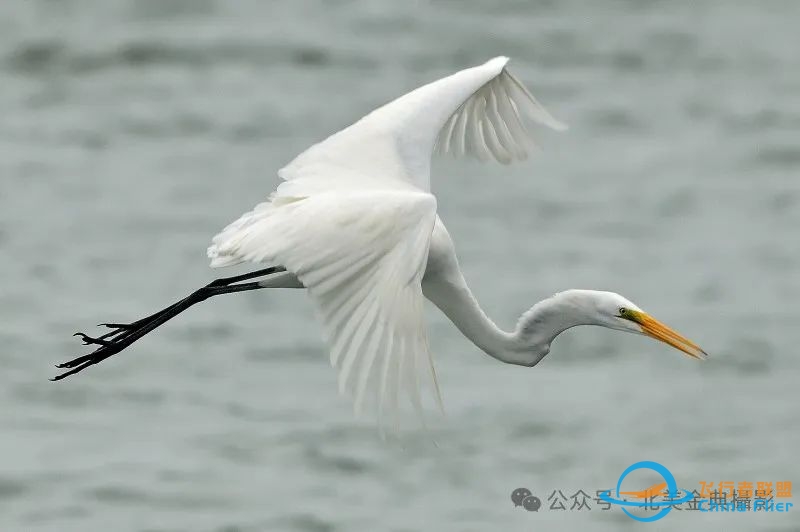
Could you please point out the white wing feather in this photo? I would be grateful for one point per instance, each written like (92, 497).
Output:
(491, 123)
(361, 255)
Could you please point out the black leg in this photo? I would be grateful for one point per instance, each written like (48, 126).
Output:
(124, 334)
(225, 281)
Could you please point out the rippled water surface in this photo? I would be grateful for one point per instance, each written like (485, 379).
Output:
(131, 132)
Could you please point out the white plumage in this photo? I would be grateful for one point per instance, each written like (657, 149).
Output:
(354, 222)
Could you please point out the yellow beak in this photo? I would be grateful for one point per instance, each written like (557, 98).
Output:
(655, 329)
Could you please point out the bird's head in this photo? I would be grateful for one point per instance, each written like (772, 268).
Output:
(614, 311)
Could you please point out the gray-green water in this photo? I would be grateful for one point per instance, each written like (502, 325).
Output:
(130, 132)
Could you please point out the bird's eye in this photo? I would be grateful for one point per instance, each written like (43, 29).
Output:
(622, 311)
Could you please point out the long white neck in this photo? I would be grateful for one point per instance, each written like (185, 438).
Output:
(531, 339)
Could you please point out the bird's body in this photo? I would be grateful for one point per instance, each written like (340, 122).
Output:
(354, 222)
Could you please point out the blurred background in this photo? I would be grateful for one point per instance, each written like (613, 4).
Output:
(132, 131)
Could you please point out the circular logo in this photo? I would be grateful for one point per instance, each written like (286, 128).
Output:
(672, 491)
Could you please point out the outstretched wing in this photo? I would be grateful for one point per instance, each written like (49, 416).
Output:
(478, 111)
(361, 255)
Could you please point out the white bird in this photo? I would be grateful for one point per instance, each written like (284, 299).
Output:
(354, 223)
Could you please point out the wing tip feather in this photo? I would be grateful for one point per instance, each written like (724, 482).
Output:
(462, 134)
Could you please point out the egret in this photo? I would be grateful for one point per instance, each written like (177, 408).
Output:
(355, 224)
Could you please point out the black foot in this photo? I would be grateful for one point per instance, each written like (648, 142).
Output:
(110, 343)
(122, 335)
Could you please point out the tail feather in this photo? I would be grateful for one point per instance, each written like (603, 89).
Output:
(221, 261)
(224, 247)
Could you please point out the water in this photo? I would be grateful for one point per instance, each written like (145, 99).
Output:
(132, 131)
